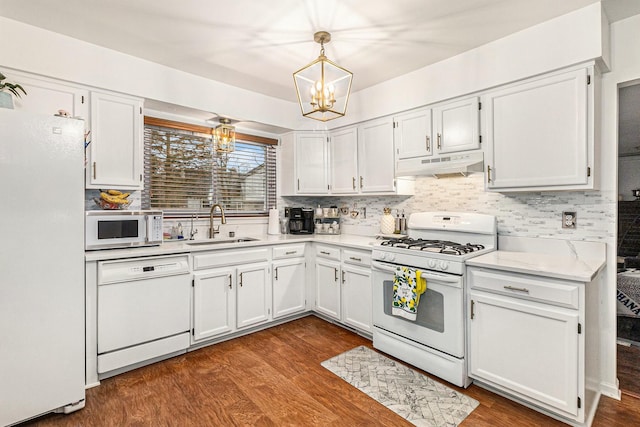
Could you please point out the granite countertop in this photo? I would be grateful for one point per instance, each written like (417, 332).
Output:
(183, 246)
(541, 264)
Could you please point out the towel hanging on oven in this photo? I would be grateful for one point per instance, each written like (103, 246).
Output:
(408, 285)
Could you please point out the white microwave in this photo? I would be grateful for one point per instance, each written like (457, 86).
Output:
(122, 229)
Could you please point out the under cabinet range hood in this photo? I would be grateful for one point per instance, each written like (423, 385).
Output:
(441, 166)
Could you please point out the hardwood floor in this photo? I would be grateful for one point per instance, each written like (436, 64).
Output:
(274, 378)
(629, 369)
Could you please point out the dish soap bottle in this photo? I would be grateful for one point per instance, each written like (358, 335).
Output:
(387, 223)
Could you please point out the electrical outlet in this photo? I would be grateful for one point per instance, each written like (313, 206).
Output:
(569, 220)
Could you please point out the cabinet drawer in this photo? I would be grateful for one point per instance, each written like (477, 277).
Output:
(356, 257)
(288, 251)
(328, 252)
(556, 292)
(226, 258)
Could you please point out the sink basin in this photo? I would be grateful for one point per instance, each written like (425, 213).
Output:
(220, 241)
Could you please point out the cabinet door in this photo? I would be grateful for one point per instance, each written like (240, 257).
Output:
(457, 125)
(288, 287)
(375, 156)
(47, 96)
(527, 348)
(343, 146)
(116, 142)
(356, 297)
(311, 164)
(213, 297)
(537, 133)
(252, 299)
(412, 134)
(328, 288)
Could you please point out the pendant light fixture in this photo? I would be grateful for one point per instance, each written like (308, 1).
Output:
(322, 86)
(224, 136)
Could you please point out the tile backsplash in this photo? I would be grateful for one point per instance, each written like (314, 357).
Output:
(531, 214)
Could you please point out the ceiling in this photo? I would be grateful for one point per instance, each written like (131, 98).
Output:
(257, 45)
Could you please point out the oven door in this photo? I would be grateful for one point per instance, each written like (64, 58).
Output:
(440, 320)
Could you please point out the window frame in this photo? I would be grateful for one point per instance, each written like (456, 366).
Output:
(240, 137)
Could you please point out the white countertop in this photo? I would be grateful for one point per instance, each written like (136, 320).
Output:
(549, 265)
(182, 246)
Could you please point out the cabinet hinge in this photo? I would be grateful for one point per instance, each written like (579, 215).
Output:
(480, 137)
(579, 403)
(588, 80)
(479, 105)
(193, 332)
(268, 311)
(140, 110)
(579, 328)
(140, 177)
(589, 171)
(82, 99)
(328, 187)
(193, 283)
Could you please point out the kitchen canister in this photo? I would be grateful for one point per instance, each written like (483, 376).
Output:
(387, 223)
(274, 222)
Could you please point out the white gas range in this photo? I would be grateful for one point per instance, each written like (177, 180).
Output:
(438, 244)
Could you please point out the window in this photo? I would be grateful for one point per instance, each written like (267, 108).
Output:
(184, 174)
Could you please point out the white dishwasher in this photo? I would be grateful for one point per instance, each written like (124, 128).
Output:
(143, 310)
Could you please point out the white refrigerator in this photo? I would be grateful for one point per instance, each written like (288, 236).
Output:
(41, 265)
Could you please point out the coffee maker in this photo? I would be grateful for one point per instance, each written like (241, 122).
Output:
(301, 221)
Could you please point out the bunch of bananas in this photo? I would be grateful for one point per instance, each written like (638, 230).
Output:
(115, 197)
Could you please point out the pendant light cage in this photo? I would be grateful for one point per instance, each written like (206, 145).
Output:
(224, 136)
(323, 87)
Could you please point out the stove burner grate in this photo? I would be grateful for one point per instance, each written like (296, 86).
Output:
(438, 246)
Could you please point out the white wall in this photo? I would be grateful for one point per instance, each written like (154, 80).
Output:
(566, 40)
(50, 54)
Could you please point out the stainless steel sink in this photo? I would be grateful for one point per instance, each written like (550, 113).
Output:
(220, 241)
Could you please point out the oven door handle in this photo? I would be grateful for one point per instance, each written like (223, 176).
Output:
(447, 278)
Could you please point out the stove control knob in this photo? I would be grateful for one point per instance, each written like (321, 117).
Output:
(383, 255)
(432, 263)
(444, 265)
(391, 257)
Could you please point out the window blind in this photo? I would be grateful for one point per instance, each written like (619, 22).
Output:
(183, 174)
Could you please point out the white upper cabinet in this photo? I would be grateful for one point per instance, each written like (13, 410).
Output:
(312, 162)
(343, 147)
(412, 134)
(539, 134)
(48, 96)
(375, 157)
(116, 149)
(457, 125)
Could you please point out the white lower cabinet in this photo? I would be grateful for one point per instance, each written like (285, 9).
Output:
(226, 299)
(525, 338)
(343, 286)
(288, 287)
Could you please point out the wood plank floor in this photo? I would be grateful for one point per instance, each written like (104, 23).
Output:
(629, 369)
(274, 378)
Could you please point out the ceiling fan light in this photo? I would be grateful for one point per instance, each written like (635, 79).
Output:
(224, 136)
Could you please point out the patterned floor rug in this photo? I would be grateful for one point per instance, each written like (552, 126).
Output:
(408, 393)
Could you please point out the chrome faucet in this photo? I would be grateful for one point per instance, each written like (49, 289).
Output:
(223, 220)
(193, 231)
